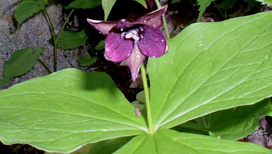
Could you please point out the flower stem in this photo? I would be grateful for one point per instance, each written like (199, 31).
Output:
(164, 21)
(148, 107)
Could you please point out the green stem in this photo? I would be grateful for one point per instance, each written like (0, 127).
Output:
(148, 107)
(204, 121)
(164, 21)
(158, 3)
(166, 28)
(226, 14)
(64, 24)
(220, 11)
(50, 24)
(54, 38)
(45, 66)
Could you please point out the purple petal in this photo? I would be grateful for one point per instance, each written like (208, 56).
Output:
(117, 49)
(154, 18)
(135, 61)
(103, 26)
(124, 24)
(153, 42)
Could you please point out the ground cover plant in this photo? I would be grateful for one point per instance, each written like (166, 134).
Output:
(209, 86)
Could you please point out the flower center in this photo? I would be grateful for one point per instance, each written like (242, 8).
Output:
(134, 34)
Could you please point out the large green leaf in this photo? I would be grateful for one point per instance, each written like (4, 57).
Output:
(65, 110)
(109, 146)
(107, 6)
(211, 67)
(71, 40)
(28, 8)
(83, 4)
(169, 141)
(203, 5)
(230, 124)
(21, 62)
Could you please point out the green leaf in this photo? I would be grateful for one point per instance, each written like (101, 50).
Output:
(27, 9)
(71, 40)
(142, 2)
(175, 1)
(107, 6)
(266, 2)
(87, 60)
(66, 110)
(211, 67)
(231, 124)
(269, 113)
(203, 5)
(109, 146)
(4, 82)
(139, 145)
(21, 62)
(227, 4)
(100, 45)
(169, 141)
(251, 3)
(138, 105)
(141, 97)
(83, 4)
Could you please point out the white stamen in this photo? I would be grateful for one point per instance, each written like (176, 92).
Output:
(132, 34)
(122, 34)
(128, 36)
(136, 38)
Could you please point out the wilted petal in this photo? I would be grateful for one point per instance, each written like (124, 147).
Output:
(135, 61)
(154, 18)
(103, 26)
(117, 49)
(153, 42)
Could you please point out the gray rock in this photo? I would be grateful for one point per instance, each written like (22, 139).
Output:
(33, 33)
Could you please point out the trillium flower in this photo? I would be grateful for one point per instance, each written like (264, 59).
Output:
(133, 41)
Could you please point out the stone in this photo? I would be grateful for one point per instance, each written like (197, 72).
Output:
(33, 33)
